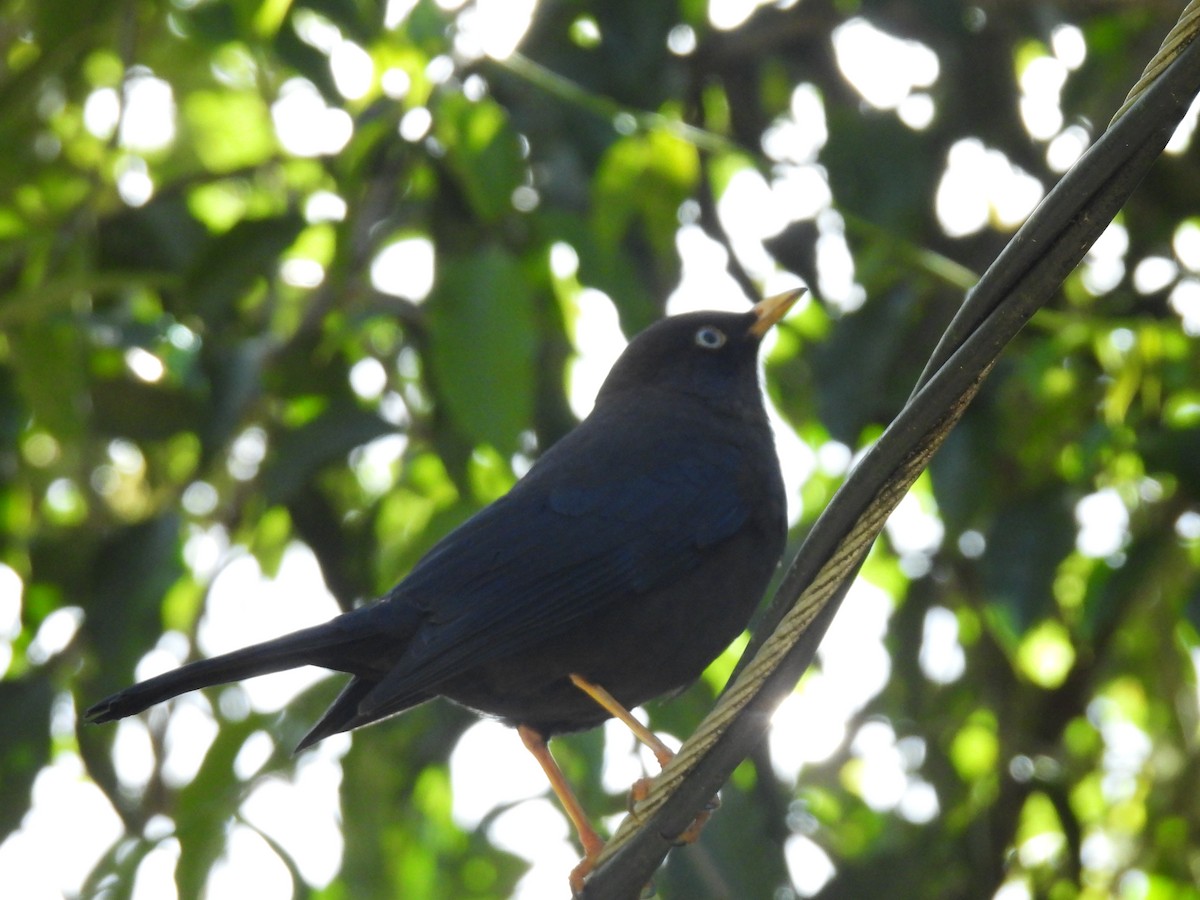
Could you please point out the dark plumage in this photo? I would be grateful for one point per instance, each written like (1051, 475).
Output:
(631, 554)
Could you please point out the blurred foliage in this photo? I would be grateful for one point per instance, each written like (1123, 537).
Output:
(188, 319)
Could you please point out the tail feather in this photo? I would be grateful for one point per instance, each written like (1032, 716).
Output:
(327, 645)
(345, 714)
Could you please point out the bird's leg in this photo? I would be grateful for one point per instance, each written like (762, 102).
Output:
(664, 754)
(613, 707)
(592, 842)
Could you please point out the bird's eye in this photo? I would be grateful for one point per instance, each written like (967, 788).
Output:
(710, 338)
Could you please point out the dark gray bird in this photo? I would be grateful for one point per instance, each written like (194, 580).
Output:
(627, 558)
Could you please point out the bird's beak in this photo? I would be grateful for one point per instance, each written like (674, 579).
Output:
(773, 309)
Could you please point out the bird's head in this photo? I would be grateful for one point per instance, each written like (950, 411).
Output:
(708, 354)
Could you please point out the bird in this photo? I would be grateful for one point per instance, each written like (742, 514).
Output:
(632, 552)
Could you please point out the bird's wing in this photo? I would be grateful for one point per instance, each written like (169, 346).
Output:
(536, 561)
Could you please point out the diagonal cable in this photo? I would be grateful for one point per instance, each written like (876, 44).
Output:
(1023, 278)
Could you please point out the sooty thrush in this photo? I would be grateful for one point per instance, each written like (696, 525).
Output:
(626, 559)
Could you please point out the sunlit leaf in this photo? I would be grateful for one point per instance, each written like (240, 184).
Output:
(230, 129)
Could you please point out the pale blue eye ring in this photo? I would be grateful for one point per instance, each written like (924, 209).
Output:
(710, 338)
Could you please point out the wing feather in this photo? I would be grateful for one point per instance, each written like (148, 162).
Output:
(609, 539)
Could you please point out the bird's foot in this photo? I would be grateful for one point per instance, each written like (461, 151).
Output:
(593, 845)
(641, 790)
(580, 873)
(586, 866)
(691, 834)
(638, 792)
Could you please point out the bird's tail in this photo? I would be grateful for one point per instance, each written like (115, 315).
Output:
(331, 645)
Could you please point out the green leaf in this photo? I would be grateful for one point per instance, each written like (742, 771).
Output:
(235, 372)
(162, 236)
(303, 451)
(49, 363)
(603, 266)
(483, 327)
(205, 806)
(1025, 544)
(643, 179)
(25, 711)
(482, 151)
(144, 412)
(229, 129)
(234, 261)
(115, 875)
(400, 838)
(879, 338)
(130, 573)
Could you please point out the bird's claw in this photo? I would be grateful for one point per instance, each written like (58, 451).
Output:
(691, 834)
(586, 866)
(638, 792)
(580, 873)
(641, 790)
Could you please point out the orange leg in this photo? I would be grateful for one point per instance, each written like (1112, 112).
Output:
(592, 842)
(663, 753)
